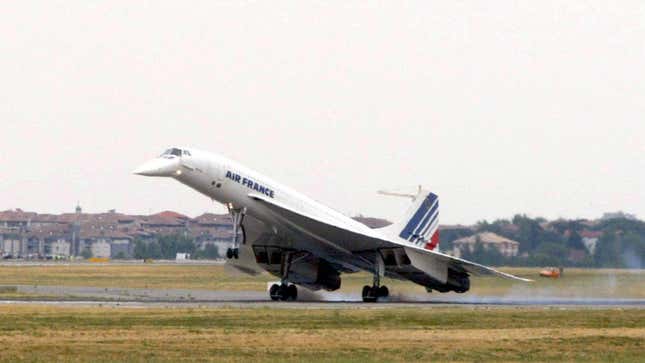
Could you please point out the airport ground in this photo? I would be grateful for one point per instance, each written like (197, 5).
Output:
(172, 312)
(575, 283)
(105, 334)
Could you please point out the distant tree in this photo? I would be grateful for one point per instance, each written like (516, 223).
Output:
(608, 251)
(154, 250)
(553, 237)
(556, 254)
(482, 225)
(633, 251)
(140, 250)
(171, 245)
(622, 225)
(210, 252)
(488, 256)
(529, 232)
(575, 241)
(620, 250)
(86, 253)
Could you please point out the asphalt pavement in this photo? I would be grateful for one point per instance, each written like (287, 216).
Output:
(75, 295)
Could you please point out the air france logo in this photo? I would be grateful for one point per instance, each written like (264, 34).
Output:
(250, 184)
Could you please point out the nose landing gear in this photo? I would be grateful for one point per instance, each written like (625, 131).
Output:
(233, 253)
(239, 233)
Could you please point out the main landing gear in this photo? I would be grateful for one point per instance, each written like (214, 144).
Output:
(376, 291)
(373, 293)
(238, 232)
(283, 292)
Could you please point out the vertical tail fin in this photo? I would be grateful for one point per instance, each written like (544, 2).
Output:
(421, 222)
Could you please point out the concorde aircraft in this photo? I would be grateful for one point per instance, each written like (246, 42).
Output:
(307, 244)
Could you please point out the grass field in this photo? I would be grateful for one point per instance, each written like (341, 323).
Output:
(574, 283)
(40, 333)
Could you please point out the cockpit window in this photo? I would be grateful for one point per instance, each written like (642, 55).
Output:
(186, 152)
(171, 152)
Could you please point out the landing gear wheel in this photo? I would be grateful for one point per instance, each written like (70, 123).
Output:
(366, 291)
(370, 294)
(274, 292)
(293, 292)
(373, 293)
(233, 253)
(284, 292)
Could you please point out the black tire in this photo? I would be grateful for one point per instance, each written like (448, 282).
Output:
(293, 292)
(383, 291)
(366, 292)
(370, 294)
(274, 292)
(229, 253)
(284, 292)
(236, 253)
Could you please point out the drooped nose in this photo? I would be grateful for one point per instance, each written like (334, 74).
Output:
(159, 167)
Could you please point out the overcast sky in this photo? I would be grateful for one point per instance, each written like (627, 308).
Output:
(499, 107)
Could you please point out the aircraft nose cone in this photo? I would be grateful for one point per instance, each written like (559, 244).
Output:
(159, 167)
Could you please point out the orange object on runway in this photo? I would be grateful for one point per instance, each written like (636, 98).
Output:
(551, 272)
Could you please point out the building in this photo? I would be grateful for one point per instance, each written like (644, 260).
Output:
(108, 235)
(100, 248)
(507, 247)
(11, 244)
(60, 247)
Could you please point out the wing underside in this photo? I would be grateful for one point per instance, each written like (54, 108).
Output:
(363, 248)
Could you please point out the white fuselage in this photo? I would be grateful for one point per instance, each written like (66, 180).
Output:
(231, 183)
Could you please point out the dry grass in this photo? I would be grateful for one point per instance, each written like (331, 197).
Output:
(210, 277)
(36, 333)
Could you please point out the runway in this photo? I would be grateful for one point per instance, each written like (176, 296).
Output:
(131, 297)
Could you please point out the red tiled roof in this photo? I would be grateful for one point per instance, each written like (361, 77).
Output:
(590, 234)
(170, 215)
(211, 218)
(17, 215)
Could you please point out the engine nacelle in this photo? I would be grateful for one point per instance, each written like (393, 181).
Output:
(315, 274)
(457, 282)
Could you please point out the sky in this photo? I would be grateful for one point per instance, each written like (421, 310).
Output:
(502, 107)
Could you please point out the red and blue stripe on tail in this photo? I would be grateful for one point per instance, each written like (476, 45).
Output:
(423, 227)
